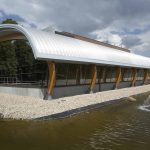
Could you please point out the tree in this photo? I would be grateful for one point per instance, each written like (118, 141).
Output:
(9, 21)
(8, 60)
(16, 56)
(24, 55)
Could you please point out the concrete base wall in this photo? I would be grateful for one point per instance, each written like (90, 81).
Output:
(34, 92)
(138, 83)
(70, 91)
(63, 91)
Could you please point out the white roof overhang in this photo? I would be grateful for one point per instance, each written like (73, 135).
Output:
(50, 46)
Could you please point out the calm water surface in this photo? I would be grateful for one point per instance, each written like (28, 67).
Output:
(121, 126)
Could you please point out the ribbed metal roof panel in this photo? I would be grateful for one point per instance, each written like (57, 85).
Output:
(51, 46)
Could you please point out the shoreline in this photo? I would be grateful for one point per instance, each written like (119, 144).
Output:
(30, 108)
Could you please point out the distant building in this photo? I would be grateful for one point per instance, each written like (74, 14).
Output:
(75, 64)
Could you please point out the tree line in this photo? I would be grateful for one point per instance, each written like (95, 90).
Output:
(16, 55)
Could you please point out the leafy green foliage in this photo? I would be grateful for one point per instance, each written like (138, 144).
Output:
(8, 61)
(15, 55)
(9, 21)
(24, 55)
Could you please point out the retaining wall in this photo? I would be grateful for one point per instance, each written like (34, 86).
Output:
(63, 91)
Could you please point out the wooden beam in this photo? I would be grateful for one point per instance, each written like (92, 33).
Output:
(134, 76)
(145, 76)
(52, 77)
(13, 36)
(118, 76)
(94, 75)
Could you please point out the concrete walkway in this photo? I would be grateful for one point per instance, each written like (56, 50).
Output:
(20, 107)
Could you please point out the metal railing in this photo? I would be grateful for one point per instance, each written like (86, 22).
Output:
(7, 80)
(37, 78)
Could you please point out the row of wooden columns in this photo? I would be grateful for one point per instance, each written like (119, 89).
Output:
(119, 77)
(52, 77)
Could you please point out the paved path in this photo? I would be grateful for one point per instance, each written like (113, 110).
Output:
(21, 107)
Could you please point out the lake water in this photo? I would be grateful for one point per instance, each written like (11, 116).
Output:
(120, 126)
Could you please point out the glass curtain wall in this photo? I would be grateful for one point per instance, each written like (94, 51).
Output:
(72, 74)
(75, 74)
(99, 78)
(140, 74)
(106, 74)
(110, 74)
(85, 74)
(61, 74)
(127, 74)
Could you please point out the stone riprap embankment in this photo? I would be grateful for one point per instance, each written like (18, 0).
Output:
(21, 107)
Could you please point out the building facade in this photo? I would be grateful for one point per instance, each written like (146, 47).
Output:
(72, 65)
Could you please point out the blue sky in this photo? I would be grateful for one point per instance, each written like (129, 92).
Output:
(123, 23)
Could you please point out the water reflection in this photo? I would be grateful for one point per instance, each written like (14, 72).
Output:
(146, 105)
(119, 126)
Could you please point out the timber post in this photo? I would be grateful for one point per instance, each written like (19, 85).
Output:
(134, 76)
(145, 76)
(51, 80)
(94, 76)
(118, 77)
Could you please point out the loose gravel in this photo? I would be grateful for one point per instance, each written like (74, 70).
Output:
(24, 107)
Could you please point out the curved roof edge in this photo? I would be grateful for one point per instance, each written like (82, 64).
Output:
(50, 46)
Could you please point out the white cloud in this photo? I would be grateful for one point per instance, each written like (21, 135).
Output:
(1, 15)
(100, 19)
(33, 12)
(107, 35)
(144, 47)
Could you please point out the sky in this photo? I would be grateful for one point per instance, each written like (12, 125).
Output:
(124, 23)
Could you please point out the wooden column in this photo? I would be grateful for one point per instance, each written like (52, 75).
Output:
(52, 77)
(94, 75)
(118, 76)
(134, 74)
(145, 76)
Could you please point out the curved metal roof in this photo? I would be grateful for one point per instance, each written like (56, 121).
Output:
(51, 46)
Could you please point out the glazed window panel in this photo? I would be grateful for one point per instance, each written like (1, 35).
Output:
(82, 74)
(86, 74)
(130, 75)
(103, 74)
(72, 74)
(140, 74)
(61, 74)
(127, 74)
(113, 74)
(110, 74)
(99, 74)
